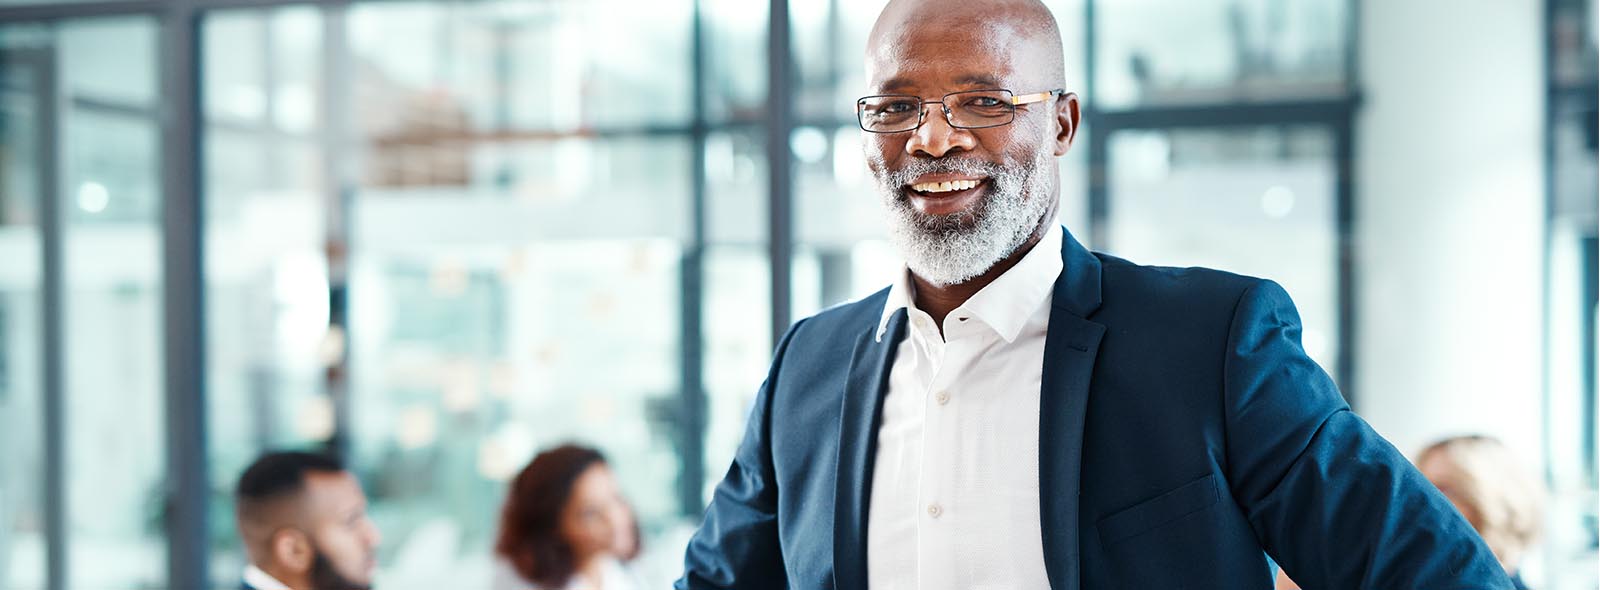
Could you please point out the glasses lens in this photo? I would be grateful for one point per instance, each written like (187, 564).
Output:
(888, 114)
(980, 108)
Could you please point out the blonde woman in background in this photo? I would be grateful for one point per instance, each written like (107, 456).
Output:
(1490, 487)
(1501, 500)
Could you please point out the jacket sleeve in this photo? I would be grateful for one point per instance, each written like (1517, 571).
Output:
(1333, 502)
(736, 545)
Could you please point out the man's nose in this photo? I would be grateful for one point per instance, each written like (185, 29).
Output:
(936, 137)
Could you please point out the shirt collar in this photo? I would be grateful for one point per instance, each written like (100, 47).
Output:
(1005, 304)
(260, 580)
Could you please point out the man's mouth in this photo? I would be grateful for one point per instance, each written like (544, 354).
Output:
(945, 186)
(946, 194)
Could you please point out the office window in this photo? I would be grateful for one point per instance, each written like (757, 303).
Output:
(266, 274)
(1163, 53)
(1256, 201)
(1571, 297)
(518, 229)
(112, 248)
(735, 37)
(737, 301)
(22, 526)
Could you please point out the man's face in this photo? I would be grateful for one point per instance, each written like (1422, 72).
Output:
(344, 539)
(951, 233)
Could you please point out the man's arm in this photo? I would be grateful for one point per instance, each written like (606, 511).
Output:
(1334, 503)
(737, 543)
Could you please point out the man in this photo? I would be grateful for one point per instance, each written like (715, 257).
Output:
(303, 520)
(1016, 412)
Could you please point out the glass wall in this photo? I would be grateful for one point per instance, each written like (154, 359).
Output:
(23, 60)
(112, 252)
(1573, 295)
(1256, 201)
(266, 265)
(1212, 52)
(520, 214)
(104, 171)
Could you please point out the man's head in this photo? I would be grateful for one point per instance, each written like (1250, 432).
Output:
(303, 520)
(928, 49)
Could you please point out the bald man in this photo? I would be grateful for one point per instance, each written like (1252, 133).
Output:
(1017, 412)
(303, 520)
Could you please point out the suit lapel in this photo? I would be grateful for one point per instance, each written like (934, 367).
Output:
(867, 383)
(1070, 347)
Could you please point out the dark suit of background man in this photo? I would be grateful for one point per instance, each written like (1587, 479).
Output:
(303, 520)
(1016, 411)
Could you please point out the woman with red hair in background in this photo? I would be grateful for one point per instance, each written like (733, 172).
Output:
(566, 526)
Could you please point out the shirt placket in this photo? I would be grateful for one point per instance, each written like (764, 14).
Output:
(940, 439)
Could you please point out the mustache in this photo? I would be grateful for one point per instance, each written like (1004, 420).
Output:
(918, 167)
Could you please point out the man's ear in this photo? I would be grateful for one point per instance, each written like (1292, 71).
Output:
(292, 549)
(1067, 120)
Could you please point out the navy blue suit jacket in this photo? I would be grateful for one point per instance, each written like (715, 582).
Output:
(1183, 435)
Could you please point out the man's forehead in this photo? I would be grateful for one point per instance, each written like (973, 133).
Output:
(940, 42)
(928, 57)
(333, 491)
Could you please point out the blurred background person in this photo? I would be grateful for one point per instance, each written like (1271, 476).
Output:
(303, 520)
(566, 526)
(1491, 488)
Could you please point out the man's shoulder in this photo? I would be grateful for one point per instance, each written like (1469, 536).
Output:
(1121, 278)
(848, 320)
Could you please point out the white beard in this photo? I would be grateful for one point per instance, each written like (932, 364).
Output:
(952, 249)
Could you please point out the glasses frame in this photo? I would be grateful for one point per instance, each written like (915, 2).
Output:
(922, 107)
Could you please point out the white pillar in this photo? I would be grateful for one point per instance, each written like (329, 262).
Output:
(1450, 217)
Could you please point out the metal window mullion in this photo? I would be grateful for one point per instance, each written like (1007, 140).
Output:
(780, 166)
(183, 298)
(1547, 153)
(694, 406)
(337, 194)
(52, 306)
(1097, 191)
(1349, 261)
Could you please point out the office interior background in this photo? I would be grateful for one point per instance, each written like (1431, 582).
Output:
(435, 237)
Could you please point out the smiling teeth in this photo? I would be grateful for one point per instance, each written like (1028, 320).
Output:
(944, 187)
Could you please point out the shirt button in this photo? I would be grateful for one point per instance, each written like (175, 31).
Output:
(934, 510)
(943, 397)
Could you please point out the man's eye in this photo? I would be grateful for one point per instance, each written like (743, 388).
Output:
(984, 102)
(898, 107)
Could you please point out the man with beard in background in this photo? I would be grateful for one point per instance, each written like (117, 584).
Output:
(1016, 411)
(303, 520)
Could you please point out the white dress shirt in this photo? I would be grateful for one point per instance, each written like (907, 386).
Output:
(955, 487)
(261, 580)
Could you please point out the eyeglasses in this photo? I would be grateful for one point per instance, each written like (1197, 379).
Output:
(970, 109)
